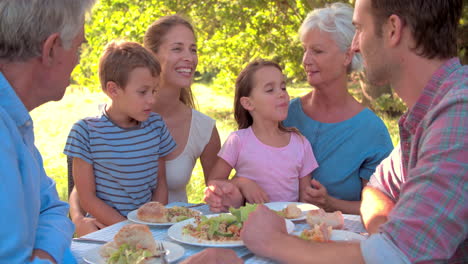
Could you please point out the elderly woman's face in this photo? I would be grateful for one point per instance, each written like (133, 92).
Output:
(323, 61)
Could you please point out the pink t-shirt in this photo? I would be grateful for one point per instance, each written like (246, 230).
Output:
(276, 170)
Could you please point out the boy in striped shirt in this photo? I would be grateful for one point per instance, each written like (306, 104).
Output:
(118, 156)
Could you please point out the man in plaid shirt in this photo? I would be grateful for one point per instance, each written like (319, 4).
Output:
(414, 206)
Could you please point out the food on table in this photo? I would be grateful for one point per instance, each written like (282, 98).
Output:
(156, 212)
(291, 211)
(224, 227)
(318, 233)
(133, 243)
(319, 216)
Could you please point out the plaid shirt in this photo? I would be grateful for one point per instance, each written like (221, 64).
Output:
(427, 175)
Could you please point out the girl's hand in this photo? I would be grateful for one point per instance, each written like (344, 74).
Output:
(316, 194)
(251, 191)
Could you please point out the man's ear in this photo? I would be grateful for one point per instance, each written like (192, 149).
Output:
(49, 49)
(246, 103)
(112, 89)
(394, 29)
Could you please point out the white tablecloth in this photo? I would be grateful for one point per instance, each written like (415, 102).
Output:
(79, 249)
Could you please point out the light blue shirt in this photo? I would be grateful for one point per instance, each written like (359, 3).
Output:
(346, 152)
(33, 217)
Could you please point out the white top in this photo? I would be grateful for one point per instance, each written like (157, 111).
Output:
(179, 170)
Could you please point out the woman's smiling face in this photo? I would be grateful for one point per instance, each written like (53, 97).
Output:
(178, 57)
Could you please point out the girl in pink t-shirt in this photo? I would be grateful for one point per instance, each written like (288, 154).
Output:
(271, 161)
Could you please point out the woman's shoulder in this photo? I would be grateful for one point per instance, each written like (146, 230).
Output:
(370, 118)
(199, 117)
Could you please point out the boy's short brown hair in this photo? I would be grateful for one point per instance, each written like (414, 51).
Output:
(120, 58)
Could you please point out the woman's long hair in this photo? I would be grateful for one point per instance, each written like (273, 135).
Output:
(154, 37)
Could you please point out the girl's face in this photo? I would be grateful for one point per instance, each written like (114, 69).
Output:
(268, 99)
(178, 57)
(323, 60)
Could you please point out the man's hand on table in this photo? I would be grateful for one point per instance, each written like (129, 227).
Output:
(214, 256)
(257, 235)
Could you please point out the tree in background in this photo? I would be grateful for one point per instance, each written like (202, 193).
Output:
(230, 34)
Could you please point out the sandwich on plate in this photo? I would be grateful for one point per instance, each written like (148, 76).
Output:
(133, 244)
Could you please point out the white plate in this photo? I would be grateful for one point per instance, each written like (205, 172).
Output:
(132, 216)
(343, 235)
(175, 232)
(278, 206)
(174, 252)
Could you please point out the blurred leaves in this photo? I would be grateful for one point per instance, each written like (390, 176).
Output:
(229, 33)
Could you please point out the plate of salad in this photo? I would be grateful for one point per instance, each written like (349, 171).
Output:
(129, 255)
(217, 230)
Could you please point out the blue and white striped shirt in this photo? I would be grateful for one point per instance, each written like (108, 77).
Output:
(125, 160)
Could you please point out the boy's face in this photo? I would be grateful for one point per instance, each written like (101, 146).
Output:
(136, 99)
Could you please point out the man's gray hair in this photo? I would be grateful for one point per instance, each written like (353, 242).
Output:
(337, 20)
(26, 24)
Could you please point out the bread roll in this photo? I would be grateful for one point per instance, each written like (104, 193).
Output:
(316, 217)
(292, 211)
(138, 236)
(135, 235)
(153, 212)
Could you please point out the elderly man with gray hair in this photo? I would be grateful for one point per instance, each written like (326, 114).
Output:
(39, 47)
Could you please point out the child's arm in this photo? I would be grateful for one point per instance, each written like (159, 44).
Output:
(160, 192)
(210, 154)
(83, 225)
(221, 193)
(86, 187)
(251, 191)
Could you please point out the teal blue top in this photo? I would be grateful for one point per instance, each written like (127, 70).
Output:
(346, 152)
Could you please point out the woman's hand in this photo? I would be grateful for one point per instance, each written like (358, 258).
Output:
(86, 225)
(220, 195)
(316, 194)
(251, 191)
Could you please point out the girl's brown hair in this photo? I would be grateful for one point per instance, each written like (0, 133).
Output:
(154, 37)
(244, 87)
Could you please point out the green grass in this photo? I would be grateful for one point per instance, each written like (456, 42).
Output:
(53, 121)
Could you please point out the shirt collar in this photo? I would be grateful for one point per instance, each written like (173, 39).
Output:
(10, 101)
(412, 118)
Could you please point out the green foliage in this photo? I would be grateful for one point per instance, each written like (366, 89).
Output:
(389, 104)
(230, 33)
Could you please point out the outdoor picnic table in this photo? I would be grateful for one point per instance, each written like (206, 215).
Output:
(79, 249)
